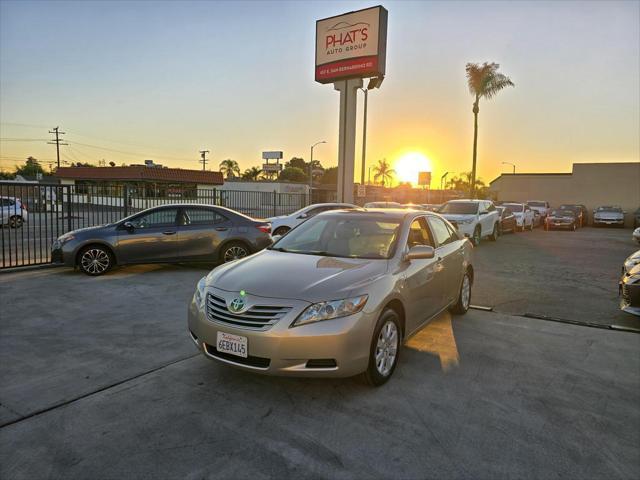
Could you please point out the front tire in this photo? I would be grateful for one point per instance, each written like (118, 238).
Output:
(95, 260)
(464, 296)
(385, 348)
(234, 251)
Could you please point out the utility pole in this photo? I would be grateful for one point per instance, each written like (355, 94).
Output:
(203, 158)
(57, 142)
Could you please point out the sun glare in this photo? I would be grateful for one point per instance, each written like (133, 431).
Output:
(408, 166)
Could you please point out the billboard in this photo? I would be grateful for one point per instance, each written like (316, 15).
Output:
(352, 45)
(424, 178)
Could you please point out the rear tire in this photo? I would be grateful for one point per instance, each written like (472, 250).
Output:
(234, 251)
(464, 296)
(385, 348)
(95, 260)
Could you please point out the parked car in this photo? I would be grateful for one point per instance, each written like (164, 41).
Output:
(166, 234)
(636, 235)
(508, 221)
(563, 219)
(382, 205)
(629, 285)
(608, 215)
(636, 218)
(540, 206)
(283, 223)
(581, 213)
(475, 219)
(352, 286)
(523, 213)
(13, 212)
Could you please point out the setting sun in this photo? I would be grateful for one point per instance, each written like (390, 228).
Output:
(408, 166)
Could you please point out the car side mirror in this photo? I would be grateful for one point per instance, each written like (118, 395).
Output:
(128, 226)
(303, 215)
(420, 251)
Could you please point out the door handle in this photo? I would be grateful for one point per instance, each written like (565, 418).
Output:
(221, 229)
(169, 232)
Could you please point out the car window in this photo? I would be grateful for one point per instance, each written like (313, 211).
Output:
(201, 216)
(440, 231)
(419, 234)
(157, 218)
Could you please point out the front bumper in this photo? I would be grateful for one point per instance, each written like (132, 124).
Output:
(330, 348)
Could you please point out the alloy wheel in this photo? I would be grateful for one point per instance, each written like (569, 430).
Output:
(387, 348)
(234, 253)
(95, 261)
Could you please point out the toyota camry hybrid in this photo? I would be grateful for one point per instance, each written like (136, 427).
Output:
(336, 296)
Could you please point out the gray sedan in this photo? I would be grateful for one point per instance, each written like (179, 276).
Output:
(170, 233)
(336, 296)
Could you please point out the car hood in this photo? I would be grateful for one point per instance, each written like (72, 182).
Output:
(310, 278)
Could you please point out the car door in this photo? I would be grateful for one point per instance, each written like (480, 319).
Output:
(423, 279)
(202, 231)
(449, 254)
(153, 237)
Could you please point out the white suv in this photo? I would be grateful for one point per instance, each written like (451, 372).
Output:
(475, 219)
(282, 224)
(12, 212)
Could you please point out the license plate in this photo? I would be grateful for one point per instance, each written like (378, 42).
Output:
(233, 344)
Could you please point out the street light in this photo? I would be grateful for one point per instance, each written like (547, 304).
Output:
(512, 164)
(311, 169)
(373, 83)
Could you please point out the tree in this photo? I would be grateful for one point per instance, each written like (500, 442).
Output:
(252, 173)
(30, 168)
(484, 81)
(330, 176)
(229, 168)
(293, 174)
(383, 172)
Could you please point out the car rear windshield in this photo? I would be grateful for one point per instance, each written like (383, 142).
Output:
(460, 208)
(514, 207)
(536, 204)
(342, 236)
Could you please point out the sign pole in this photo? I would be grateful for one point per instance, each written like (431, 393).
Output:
(347, 137)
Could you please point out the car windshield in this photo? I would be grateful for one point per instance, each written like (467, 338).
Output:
(514, 207)
(609, 209)
(536, 204)
(563, 213)
(342, 236)
(461, 208)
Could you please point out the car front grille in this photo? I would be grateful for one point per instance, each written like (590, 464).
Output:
(258, 317)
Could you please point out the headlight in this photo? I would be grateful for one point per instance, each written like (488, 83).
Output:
(66, 238)
(198, 297)
(329, 310)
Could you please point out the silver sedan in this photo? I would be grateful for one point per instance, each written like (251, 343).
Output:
(335, 297)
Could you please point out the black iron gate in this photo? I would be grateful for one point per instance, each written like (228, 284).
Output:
(34, 215)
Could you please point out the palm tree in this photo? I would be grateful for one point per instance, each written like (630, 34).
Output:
(252, 173)
(484, 81)
(383, 171)
(229, 168)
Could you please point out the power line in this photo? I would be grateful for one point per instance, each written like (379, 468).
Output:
(57, 143)
(203, 160)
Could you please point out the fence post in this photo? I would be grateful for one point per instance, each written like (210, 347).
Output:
(125, 199)
(275, 197)
(69, 223)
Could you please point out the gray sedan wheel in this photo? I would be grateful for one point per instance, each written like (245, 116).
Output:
(385, 348)
(95, 260)
(234, 251)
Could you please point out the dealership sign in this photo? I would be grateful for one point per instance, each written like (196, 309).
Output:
(352, 45)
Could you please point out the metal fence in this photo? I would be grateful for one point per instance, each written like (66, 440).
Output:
(52, 210)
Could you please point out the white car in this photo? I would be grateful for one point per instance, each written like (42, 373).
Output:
(282, 224)
(13, 212)
(636, 234)
(524, 215)
(475, 219)
(540, 206)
